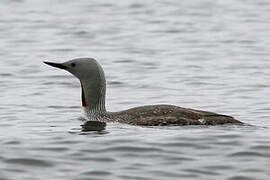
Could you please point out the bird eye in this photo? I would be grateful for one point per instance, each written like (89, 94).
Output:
(73, 64)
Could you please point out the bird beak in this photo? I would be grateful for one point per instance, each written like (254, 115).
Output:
(58, 65)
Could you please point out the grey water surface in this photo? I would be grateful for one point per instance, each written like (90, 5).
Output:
(205, 54)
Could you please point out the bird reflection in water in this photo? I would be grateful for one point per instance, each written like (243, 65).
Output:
(93, 126)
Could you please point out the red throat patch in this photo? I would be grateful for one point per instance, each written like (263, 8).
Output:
(83, 97)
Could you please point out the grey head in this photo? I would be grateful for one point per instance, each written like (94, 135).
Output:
(92, 78)
(82, 68)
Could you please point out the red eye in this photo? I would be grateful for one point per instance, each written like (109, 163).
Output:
(73, 64)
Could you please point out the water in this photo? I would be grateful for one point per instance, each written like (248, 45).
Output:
(210, 55)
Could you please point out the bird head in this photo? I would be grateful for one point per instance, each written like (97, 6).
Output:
(82, 68)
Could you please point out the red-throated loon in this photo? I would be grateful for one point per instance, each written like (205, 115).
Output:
(93, 85)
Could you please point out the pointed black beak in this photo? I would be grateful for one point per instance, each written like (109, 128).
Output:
(58, 65)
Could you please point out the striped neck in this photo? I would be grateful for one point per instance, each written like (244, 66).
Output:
(93, 97)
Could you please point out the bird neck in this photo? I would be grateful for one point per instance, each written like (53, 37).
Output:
(93, 96)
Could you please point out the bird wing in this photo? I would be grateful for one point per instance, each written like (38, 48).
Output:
(161, 115)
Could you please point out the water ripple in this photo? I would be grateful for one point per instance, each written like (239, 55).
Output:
(29, 162)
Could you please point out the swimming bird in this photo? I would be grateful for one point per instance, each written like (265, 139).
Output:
(93, 86)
